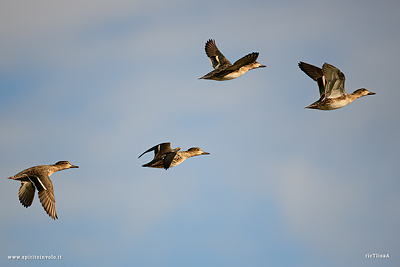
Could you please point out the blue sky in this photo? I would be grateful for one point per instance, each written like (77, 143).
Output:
(99, 83)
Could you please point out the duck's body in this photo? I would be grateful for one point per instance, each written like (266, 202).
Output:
(330, 82)
(166, 157)
(223, 69)
(38, 177)
(339, 102)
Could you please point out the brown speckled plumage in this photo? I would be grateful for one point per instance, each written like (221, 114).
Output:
(38, 177)
(166, 157)
(330, 82)
(223, 69)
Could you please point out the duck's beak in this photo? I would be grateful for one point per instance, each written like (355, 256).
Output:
(262, 66)
(371, 93)
(73, 166)
(205, 153)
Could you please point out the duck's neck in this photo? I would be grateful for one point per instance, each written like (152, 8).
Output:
(185, 154)
(351, 97)
(54, 169)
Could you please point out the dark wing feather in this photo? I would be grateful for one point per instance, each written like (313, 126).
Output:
(250, 58)
(48, 202)
(312, 71)
(168, 159)
(26, 193)
(158, 148)
(316, 74)
(216, 57)
(46, 194)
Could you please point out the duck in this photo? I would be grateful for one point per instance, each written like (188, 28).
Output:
(38, 177)
(330, 82)
(223, 69)
(166, 157)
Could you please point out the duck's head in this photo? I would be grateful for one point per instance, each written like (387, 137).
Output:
(257, 65)
(196, 151)
(362, 92)
(62, 165)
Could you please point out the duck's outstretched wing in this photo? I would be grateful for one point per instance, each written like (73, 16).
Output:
(158, 148)
(247, 59)
(217, 59)
(48, 202)
(26, 193)
(316, 74)
(46, 194)
(335, 81)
